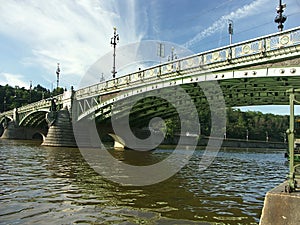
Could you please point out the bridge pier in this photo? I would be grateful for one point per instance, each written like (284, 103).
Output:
(281, 207)
(140, 139)
(1, 129)
(12, 131)
(119, 143)
(60, 133)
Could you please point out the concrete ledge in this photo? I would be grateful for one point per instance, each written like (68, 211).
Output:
(281, 208)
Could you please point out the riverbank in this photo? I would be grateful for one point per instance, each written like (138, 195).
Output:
(229, 142)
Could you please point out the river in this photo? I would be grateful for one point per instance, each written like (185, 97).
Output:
(43, 185)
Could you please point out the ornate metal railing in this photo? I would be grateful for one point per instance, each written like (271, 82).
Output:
(44, 103)
(40, 104)
(282, 43)
(226, 56)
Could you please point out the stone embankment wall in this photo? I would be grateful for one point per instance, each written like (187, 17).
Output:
(233, 143)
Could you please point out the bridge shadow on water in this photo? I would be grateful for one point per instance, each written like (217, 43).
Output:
(56, 185)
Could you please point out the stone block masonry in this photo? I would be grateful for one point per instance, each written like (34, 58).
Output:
(280, 207)
(60, 133)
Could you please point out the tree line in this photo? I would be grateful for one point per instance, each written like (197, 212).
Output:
(256, 125)
(14, 97)
(250, 125)
(241, 125)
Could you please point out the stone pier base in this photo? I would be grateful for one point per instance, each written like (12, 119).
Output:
(11, 131)
(60, 133)
(281, 208)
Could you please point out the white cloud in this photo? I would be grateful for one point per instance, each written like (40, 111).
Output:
(274, 109)
(13, 80)
(245, 11)
(74, 33)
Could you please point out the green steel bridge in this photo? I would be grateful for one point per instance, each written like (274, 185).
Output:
(254, 72)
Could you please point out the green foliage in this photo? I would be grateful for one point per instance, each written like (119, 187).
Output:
(13, 97)
(57, 91)
(258, 125)
(171, 126)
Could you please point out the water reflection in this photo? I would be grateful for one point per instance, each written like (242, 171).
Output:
(42, 185)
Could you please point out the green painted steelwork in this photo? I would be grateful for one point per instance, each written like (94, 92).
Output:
(253, 72)
(258, 72)
(292, 183)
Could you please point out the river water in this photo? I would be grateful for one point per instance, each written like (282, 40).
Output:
(43, 185)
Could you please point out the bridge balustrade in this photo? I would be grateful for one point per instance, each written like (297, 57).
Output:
(257, 48)
(281, 43)
(42, 104)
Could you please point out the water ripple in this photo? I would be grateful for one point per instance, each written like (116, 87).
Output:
(42, 185)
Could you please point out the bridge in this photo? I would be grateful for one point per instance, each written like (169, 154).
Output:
(254, 72)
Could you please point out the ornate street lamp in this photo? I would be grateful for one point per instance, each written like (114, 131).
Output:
(173, 55)
(160, 51)
(230, 30)
(280, 18)
(102, 78)
(30, 88)
(114, 40)
(57, 75)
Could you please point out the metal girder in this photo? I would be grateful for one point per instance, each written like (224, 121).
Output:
(262, 50)
(236, 92)
(246, 87)
(253, 72)
(34, 119)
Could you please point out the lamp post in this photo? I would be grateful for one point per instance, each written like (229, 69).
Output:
(230, 30)
(17, 100)
(57, 75)
(102, 78)
(114, 40)
(160, 51)
(280, 18)
(267, 136)
(30, 87)
(173, 55)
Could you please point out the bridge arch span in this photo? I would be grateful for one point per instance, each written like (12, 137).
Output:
(2, 119)
(34, 119)
(38, 136)
(241, 87)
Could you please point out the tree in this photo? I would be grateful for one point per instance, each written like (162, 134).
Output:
(13, 97)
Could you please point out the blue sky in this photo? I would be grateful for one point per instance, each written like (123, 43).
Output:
(36, 34)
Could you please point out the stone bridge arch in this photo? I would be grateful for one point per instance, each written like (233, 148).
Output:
(4, 120)
(35, 119)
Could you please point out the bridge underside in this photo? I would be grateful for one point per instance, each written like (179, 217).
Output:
(262, 91)
(35, 120)
(236, 92)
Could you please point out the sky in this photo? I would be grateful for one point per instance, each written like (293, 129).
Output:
(35, 35)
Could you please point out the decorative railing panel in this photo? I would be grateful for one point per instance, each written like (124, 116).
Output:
(252, 47)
